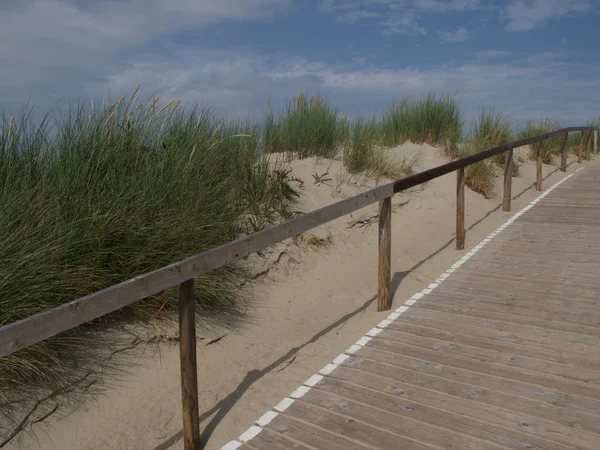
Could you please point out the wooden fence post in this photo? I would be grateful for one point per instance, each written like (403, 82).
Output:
(460, 208)
(538, 172)
(580, 150)
(187, 359)
(508, 169)
(588, 147)
(595, 142)
(564, 152)
(384, 300)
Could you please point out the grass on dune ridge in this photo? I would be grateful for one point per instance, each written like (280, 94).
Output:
(307, 126)
(431, 120)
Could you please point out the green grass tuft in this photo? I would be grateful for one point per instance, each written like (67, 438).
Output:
(489, 129)
(104, 193)
(359, 153)
(306, 126)
(432, 120)
(551, 147)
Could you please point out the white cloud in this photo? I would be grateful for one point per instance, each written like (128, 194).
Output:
(395, 16)
(357, 15)
(493, 54)
(524, 15)
(538, 85)
(446, 5)
(459, 35)
(50, 46)
(402, 23)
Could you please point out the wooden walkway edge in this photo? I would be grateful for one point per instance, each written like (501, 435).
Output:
(501, 352)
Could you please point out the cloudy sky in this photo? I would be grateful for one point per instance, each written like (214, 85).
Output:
(529, 58)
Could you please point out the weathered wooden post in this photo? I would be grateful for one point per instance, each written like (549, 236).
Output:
(580, 150)
(508, 169)
(384, 300)
(564, 152)
(189, 373)
(460, 208)
(588, 147)
(595, 142)
(538, 172)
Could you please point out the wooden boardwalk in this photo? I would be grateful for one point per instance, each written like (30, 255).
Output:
(503, 353)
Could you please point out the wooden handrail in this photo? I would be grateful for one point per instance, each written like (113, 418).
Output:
(33, 329)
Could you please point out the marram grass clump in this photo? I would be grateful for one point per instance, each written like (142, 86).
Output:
(489, 129)
(432, 120)
(307, 126)
(550, 147)
(107, 192)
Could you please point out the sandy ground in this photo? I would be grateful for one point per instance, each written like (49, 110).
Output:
(317, 299)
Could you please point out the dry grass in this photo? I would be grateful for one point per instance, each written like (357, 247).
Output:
(396, 167)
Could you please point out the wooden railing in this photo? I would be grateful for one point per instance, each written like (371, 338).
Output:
(18, 335)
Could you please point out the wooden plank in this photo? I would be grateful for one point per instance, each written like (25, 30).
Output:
(508, 170)
(563, 153)
(565, 352)
(499, 255)
(375, 438)
(503, 417)
(537, 400)
(512, 318)
(569, 275)
(496, 257)
(491, 297)
(497, 345)
(460, 209)
(583, 289)
(498, 369)
(538, 172)
(501, 355)
(271, 440)
(404, 407)
(384, 300)
(499, 325)
(541, 266)
(189, 373)
(402, 425)
(565, 289)
(310, 434)
(509, 248)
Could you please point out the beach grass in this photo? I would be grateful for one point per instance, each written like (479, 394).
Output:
(103, 193)
(306, 126)
(489, 129)
(434, 120)
(550, 147)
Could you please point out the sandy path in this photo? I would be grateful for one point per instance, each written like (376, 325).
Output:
(310, 307)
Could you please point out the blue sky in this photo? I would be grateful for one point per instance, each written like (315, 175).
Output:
(529, 58)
